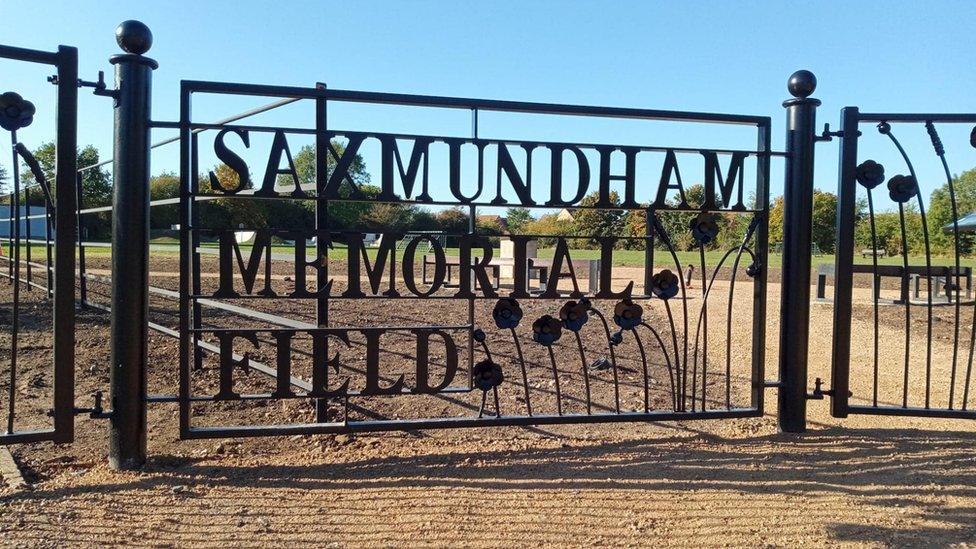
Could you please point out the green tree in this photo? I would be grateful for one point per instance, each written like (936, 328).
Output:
(342, 215)
(591, 222)
(824, 231)
(824, 226)
(163, 187)
(517, 219)
(96, 187)
(550, 224)
(940, 213)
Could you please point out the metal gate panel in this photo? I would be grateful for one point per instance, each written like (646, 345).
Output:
(234, 353)
(65, 60)
(946, 281)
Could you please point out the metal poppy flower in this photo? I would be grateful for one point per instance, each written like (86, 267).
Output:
(753, 270)
(627, 315)
(665, 284)
(547, 330)
(574, 315)
(704, 227)
(507, 313)
(15, 112)
(869, 174)
(479, 335)
(902, 188)
(487, 375)
(616, 338)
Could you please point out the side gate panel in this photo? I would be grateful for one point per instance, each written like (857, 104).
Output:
(65, 60)
(907, 292)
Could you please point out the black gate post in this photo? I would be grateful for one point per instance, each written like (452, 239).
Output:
(794, 331)
(130, 246)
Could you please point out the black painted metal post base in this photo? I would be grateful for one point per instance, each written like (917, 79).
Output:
(794, 335)
(130, 248)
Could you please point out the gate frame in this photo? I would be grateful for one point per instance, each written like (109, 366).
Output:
(840, 393)
(65, 60)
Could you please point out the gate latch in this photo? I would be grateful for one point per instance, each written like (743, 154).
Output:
(818, 392)
(96, 411)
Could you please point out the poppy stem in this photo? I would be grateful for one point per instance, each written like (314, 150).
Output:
(484, 345)
(640, 347)
(677, 362)
(672, 375)
(586, 374)
(613, 359)
(525, 373)
(555, 376)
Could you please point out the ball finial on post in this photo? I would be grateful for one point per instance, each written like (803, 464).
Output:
(133, 37)
(802, 83)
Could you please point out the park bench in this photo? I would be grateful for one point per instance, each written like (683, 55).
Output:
(878, 252)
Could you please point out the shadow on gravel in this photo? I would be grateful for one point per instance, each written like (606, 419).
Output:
(883, 467)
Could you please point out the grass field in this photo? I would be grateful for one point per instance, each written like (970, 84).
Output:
(629, 258)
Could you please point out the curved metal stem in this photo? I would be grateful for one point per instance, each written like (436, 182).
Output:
(613, 359)
(525, 373)
(703, 315)
(940, 152)
(555, 376)
(672, 372)
(741, 248)
(928, 269)
(908, 305)
(684, 308)
(643, 355)
(681, 368)
(586, 374)
(875, 289)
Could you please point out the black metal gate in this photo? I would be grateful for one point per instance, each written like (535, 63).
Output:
(59, 216)
(935, 381)
(353, 393)
(475, 339)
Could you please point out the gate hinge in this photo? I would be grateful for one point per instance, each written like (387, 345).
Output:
(100, 87)
(828, 135)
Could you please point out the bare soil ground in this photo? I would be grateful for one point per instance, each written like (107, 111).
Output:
(869, 481)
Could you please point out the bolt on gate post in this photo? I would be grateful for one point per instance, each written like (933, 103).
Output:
(794, 330)
(130, 246)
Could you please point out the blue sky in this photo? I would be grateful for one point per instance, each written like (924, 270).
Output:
(698, 56)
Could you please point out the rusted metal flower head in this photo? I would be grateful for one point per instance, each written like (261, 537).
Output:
(487, 375)
(547, 330)
(479, 335)
(902, 188)
(704, 227)
(869, 174)
(616, 338)
(507, 313)
(665, 284)
(573, 314)
(627, 314)
(15, 112)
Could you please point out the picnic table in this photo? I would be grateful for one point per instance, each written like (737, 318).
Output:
(938, 277)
